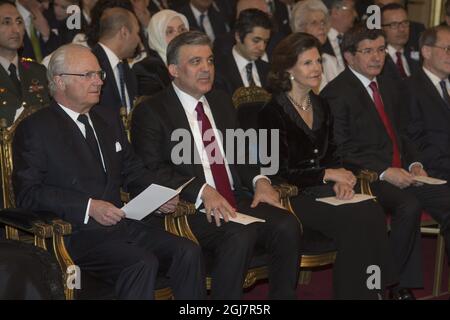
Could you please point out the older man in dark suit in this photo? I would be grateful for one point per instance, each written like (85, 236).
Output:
(430, 110)
(69, 161)
(189, 107)
(369, 123)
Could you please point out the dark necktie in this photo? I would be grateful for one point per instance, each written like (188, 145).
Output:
(339, 38)
(90, 137)
(248, 68)
(121, 69)
(396, 162)
(202, 22)
(399, 63)
(445, 95)
(216, 162)
(13, 76)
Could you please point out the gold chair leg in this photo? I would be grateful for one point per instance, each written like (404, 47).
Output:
(11, 233)
(61, 228)
(185, 229)
(439, 265)
(305, 277)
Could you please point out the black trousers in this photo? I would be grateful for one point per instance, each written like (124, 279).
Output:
(360, 233)
(131, 254)
(405, 206)
(231, 247)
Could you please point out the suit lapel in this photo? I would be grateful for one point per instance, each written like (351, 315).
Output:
(106, 66)
(432, 92)
(263, 70)
(179, 120)
(234, 74)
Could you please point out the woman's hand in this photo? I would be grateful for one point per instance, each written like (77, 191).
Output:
(343, 191)
(340, 175)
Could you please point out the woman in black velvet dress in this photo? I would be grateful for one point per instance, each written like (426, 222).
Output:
(309, 160)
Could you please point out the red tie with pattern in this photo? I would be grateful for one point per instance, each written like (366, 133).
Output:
(396, 162)
(400, 67)
(216, 162)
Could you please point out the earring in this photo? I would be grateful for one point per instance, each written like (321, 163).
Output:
(291, 77)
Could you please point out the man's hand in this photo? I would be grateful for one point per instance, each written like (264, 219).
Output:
(343, 191)
(418, 170)
(340, 175)
(264, 192)
(105, 213)
(170, 205)
(216, 205)
(398, 177)
(39, 21)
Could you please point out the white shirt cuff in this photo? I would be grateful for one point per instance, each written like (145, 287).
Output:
(199, 200)
(86, 215)
(413, 164)
(382, 175)
(259, 176)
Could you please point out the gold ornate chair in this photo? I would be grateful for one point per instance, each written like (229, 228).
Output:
(428, 226)
(47, 230)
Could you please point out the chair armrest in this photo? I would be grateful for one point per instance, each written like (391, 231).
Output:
(366, 177)
(183, 208)
(286, 190)
(26, 221)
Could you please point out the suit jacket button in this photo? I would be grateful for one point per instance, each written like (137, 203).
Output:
(316, 151)
(312, 160)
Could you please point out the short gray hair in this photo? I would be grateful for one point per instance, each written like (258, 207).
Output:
(301, 11)
(57, 63)
(184, 39)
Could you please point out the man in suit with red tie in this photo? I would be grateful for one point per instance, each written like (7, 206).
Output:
(221, 186)
(369, 125)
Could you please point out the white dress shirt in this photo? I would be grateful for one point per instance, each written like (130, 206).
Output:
(330, 69)
(114, 61)
(206, 22)
(366, 82)
(189, 104)
(74, 116)
(436, 80)
(241, 63)
(392, 53)
(332, 37)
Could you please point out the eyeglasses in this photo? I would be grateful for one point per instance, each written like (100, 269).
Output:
(370, 51)
(90, 75)
(396, 25)
(446, 49)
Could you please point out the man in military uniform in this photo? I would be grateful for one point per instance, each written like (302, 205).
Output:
(22, 81)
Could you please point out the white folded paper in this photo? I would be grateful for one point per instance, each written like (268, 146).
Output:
(149, 200)
(429, 180)
(337, 202)
(241, 218)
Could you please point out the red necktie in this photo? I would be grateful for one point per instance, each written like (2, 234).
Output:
(216, 162)
(396, 162)
(400, 67)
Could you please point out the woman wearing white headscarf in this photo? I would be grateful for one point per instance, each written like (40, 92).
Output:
(152, 73)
